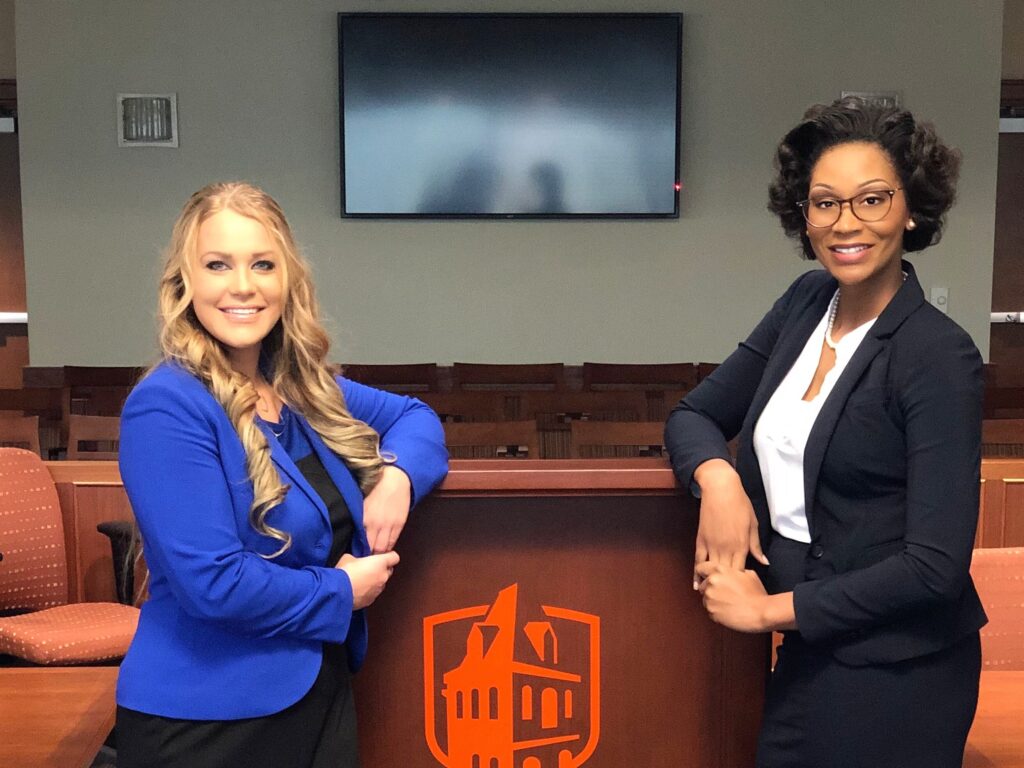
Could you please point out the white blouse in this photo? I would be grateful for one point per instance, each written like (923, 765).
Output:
(780, 435)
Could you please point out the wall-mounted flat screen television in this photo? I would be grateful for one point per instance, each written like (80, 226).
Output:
(509, 115)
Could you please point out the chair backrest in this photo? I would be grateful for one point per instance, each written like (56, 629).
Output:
(1002, 437)
(658, 410)
(616, 439)
(639, 376)
(704, 370)
(32, 401)
(468, 406)
(498, 376)
(563, 407)
(1004, 402)
(492, 439)
(999, 576)
(33, 571)
(99, 391)
(18, 431)
(101, 434)
(411, 377)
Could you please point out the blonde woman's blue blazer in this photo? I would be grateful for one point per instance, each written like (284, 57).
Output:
(227, 633)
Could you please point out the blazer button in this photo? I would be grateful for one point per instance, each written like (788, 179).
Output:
(817, 551)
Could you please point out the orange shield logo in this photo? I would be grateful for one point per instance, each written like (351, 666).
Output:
(509, 690)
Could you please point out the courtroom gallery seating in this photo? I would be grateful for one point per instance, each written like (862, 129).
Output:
(487, 376)
(403, 379)
(594, 439)
(657, 376)
(495, 439)
(552, 394)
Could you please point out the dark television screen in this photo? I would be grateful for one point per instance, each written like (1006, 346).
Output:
(509, 115)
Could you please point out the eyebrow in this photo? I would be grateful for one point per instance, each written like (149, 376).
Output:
(859, 186)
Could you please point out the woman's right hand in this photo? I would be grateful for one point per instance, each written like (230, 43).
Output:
(368, 575)
(727, 530)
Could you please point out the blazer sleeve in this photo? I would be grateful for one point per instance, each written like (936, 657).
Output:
(172, 470)
(409, 431)
(939, 389)
(700, 426)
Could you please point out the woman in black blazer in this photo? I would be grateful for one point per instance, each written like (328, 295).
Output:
(855, 488)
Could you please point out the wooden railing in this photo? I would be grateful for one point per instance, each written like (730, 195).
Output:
(91, 492)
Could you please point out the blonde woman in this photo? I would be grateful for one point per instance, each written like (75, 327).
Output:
(269, 494)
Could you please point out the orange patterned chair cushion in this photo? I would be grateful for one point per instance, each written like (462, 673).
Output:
(81, 633)
(999, 576)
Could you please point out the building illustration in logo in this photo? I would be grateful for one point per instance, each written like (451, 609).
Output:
(516, 699)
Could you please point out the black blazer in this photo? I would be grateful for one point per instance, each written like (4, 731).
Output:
(891, 472)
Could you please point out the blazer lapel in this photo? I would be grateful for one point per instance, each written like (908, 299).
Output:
(792, 339)
(345, 482)
(791, 343)
(907, 299)
(284, 463)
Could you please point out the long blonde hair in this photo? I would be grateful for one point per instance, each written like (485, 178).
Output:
(295, 352)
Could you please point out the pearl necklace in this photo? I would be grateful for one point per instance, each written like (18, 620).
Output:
(833, 309)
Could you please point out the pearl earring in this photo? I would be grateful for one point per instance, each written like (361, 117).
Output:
(911, 224)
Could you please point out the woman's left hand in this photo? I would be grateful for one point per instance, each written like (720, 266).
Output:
(734, 598)
(386, 509)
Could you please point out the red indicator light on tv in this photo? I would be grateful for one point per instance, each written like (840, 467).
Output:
(677, 186)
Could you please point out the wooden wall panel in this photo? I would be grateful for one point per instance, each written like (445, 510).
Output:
(1001, 518)
(1007, 340)
(12, 247)
(89, 495)
(13, 354)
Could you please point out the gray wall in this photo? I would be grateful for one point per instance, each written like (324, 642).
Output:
(7, 69)
(256, 84)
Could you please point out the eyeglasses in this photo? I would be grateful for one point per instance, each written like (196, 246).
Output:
(873, 205)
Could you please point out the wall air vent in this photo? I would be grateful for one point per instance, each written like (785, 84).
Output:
(147, 120)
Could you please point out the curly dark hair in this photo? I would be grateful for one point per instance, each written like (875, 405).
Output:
(927, 168)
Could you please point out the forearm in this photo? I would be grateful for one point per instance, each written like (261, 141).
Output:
(409, 430)
(778, 613)
(714, 473)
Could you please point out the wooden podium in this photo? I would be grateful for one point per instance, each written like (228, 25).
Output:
(542, 616)
(598, 651)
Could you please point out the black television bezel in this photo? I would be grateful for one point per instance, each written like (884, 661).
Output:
(678, 17)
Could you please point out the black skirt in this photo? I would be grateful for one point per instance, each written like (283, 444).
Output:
(911, 714)
(317, 731)
(822, 713)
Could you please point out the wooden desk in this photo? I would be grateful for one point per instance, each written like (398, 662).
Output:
(997, 738)
(55, 718)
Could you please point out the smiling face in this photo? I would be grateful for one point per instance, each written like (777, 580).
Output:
(237, 285)
(858, 252)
